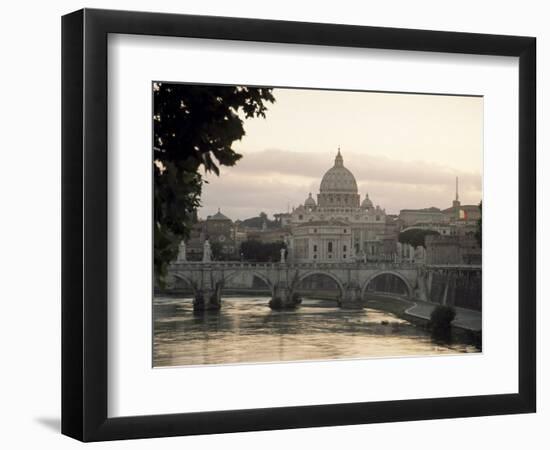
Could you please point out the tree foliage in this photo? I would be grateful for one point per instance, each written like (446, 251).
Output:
(415, 237)
(217, 251)
(442, 317)
(254, 250)
(194, 129)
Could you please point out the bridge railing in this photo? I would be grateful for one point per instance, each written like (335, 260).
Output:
(454, 267)
(221, 265)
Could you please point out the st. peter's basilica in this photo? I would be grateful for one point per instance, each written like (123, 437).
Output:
(339, 226)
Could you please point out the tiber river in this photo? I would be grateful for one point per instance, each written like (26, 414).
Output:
(246, 330)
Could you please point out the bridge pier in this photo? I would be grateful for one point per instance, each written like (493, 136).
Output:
(284, 298)
(351, 298)
(208, 299)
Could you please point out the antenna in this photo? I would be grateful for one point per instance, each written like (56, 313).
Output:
(457, 189)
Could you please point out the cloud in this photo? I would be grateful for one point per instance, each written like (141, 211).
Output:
(272, 180)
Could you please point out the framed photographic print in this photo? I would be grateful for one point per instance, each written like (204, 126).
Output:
(273, 224)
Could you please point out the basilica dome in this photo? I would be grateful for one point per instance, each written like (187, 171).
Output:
(338, 179)
(310, 203)
(367, 203)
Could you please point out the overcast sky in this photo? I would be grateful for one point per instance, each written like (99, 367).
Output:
(405, 150)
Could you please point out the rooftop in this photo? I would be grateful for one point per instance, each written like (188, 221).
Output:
(218, 216)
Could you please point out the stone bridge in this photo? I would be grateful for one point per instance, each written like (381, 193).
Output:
(207, 279)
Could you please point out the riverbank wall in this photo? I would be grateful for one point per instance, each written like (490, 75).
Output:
(461, 289)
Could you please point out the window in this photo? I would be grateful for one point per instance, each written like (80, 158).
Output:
(315, 248)
(315, 230)
(300, 217)
(344, 256)
(345, 230)
(345, 248)
(314, 256)
(330, 247)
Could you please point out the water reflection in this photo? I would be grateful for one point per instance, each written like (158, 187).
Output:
(246, 330)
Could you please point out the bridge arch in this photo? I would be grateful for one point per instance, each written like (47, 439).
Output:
(408, 286)
(192, 285)
(338, 282)
(257, 274)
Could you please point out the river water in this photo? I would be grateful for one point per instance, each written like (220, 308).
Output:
(246, 330)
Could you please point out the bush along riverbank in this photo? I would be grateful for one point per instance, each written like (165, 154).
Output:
(439, 325)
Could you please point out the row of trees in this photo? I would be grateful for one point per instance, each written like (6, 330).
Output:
(252, 250)
(261, 252)
(415, 237)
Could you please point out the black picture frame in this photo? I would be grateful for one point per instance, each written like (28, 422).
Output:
(84, 224)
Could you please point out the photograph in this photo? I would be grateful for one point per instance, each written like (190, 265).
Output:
(296, 224)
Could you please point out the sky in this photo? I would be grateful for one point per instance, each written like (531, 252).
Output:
(405, 150)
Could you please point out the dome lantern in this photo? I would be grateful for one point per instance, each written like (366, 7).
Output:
(339, 161)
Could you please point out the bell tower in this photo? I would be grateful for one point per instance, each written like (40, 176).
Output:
(456, 201)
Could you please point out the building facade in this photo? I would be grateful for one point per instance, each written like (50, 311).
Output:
(458, 219)
(220, 232)
(457, 249)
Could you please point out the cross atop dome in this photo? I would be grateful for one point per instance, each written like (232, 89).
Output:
(339, 161)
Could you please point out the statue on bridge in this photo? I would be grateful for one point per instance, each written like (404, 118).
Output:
(283, 254)
(182, 254)
(207, 252)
